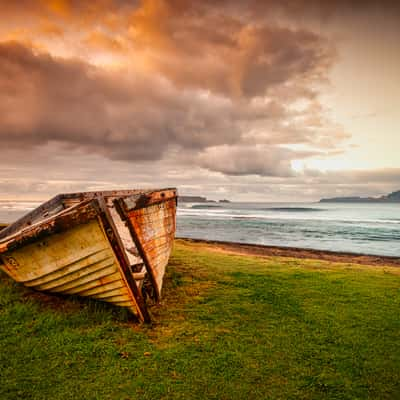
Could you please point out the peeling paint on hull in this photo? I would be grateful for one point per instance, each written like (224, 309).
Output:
(154, 228)
(76, 244)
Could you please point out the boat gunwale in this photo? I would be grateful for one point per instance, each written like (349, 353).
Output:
(113, 194)
(126, 204)
(90, 206)
(76, 215)
(18, 225)
(24, 222)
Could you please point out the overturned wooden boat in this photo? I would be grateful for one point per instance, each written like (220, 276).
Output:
(111, 245)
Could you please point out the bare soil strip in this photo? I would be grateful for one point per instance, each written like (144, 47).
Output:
(294, 252)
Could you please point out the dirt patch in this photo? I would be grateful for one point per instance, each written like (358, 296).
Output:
(293, 252)
(52, 302)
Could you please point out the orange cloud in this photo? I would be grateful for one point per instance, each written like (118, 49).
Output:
(105, 42)
(61, 7)
(50, 29)
(215, 78)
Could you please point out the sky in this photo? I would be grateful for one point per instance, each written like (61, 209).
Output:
(250, 101)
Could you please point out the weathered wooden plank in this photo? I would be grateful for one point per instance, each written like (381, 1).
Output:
(72, 269)
(144, 200)
(152, 223)
(70, 262)
(111, 232)
(80, 214)
(77, 244)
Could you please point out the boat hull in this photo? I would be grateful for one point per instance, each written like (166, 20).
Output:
(79, 261)
(83, 250)
(152, 224)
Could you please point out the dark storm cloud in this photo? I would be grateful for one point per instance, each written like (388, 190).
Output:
(201, 45)
(326, 9)
(136, 116)
(212, 96)
(311, 9)
(43, 99)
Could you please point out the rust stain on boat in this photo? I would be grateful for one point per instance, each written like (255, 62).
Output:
(151, 220)
(108, 245)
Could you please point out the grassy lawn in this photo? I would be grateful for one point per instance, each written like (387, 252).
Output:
(230, 327)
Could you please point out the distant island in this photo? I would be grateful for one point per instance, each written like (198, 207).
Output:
(199, 199)
(393, 197)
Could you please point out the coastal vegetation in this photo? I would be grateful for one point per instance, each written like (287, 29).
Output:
(230, 327)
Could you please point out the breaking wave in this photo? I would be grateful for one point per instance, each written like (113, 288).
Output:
(204, 206)
(229, 215)
(293, 209)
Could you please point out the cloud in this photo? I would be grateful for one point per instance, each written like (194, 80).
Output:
(250, 160)
(200, 45)
(45, 99)
(56, 170)
(136, 116)
(296, 10)
(351, 177)
(106, 42)
(211, 96)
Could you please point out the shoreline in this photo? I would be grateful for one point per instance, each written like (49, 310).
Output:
(295, 252)
(291, 252)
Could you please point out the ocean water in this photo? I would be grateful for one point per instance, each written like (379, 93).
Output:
(11, 210)
(357, 228)
(370, 228)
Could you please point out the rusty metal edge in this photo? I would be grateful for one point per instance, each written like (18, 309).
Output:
(117, 246)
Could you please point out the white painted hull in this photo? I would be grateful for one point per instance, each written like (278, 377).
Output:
(81, 252)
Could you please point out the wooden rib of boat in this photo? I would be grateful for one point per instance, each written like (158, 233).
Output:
(112, 246)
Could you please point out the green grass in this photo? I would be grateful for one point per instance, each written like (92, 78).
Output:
(230, 327)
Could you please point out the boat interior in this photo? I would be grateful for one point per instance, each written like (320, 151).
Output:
(62, 202)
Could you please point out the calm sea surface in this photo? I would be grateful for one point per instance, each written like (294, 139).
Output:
(358, 228)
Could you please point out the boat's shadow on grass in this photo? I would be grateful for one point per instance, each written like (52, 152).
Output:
(64, 305)
(92, 310)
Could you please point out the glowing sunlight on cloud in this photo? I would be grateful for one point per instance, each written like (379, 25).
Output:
(258, 91)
